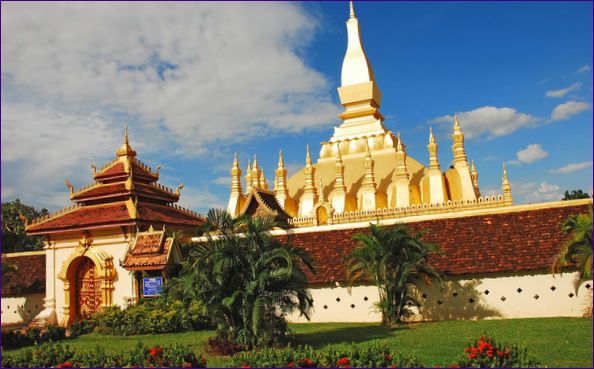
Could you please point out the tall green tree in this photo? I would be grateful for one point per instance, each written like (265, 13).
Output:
(396, 262)
(14, 238)
(577, 250)
(248, 279)
(575, 194)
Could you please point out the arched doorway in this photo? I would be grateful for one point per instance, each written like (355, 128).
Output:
(87, 291)
(322, 215)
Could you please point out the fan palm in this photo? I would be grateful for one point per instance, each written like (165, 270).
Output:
(395, 261)
(248, 279)
(577, 250)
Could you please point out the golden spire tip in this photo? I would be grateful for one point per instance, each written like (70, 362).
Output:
(351, 10)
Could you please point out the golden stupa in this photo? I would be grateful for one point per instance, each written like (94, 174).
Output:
(363, 171)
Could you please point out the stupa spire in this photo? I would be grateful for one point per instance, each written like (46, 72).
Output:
(280, 181)
(339, 191)
(236, 199)
(458, 150)
(432, 148)
(248, 177)
(310, 196)
(235, 176)
(474, 177)
(506, 187)
(351, 10)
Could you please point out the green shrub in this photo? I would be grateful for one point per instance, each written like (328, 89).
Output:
(487, 353)
(358, 356)
(39, 356)
(79, 327)
(149, 317)
(53, 333)
(61, 356)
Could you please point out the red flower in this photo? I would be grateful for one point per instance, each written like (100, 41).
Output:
(499, 353)
(291, 364)
(245, 366)
(482, 338)
(66, 364)
(388, 357)
(467, 350)
(471, 356)
(155, 351)
(342, 362)
(306, 363)
(506, 353)
(490, 353)
(474, 350)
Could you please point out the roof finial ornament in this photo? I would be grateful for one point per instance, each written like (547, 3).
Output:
(179, 188)
(125, 149)
(69, 186)
(352, 10)
(307, 155)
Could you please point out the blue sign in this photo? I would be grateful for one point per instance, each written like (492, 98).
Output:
(152, 286)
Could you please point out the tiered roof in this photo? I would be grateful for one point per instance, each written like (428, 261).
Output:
(124, 192)
(151, 251)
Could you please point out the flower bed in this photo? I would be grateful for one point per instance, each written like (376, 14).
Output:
(62, 356)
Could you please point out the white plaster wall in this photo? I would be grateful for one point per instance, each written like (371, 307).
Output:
(501, 301)
(21, 309)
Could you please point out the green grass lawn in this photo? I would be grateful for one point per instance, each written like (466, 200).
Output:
(556, 342)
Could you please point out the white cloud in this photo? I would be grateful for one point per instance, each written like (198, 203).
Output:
(566, 110)
(585, 69)
(223, 180)
(563, 91)
(200, 199)
(532, 192)
(41, 147)
(530, 154)
(188, 78)
(490, 121)
(200, 72)
(573, 167)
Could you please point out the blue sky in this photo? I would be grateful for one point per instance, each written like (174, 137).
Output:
(198, 81)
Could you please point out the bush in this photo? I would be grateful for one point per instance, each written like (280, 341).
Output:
(61, 356)
(17, 338)
(357, 356)
(149, 317)
(487, 353)
(80, 327)
(39, 356)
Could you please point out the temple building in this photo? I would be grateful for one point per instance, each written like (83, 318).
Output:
(497, 255)
(363, 171)
(115, 236)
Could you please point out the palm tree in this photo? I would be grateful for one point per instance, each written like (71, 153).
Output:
(578, 249)
(248, 279)
(396, 262)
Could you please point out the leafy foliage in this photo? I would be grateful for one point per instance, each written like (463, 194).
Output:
(396, 262)
(62, 356)
(575, 194)
(487, 353)
(248, 279)
(578, 249)
(372, 355)
(152, 316)
(14, 238)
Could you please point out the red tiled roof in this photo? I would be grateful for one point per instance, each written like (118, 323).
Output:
(27, 278)
(150, 251)
(510, 242)
(85, 217)
(119, 188)
(102, 190)
(116, 170)
(98, 216)
(167, 214)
